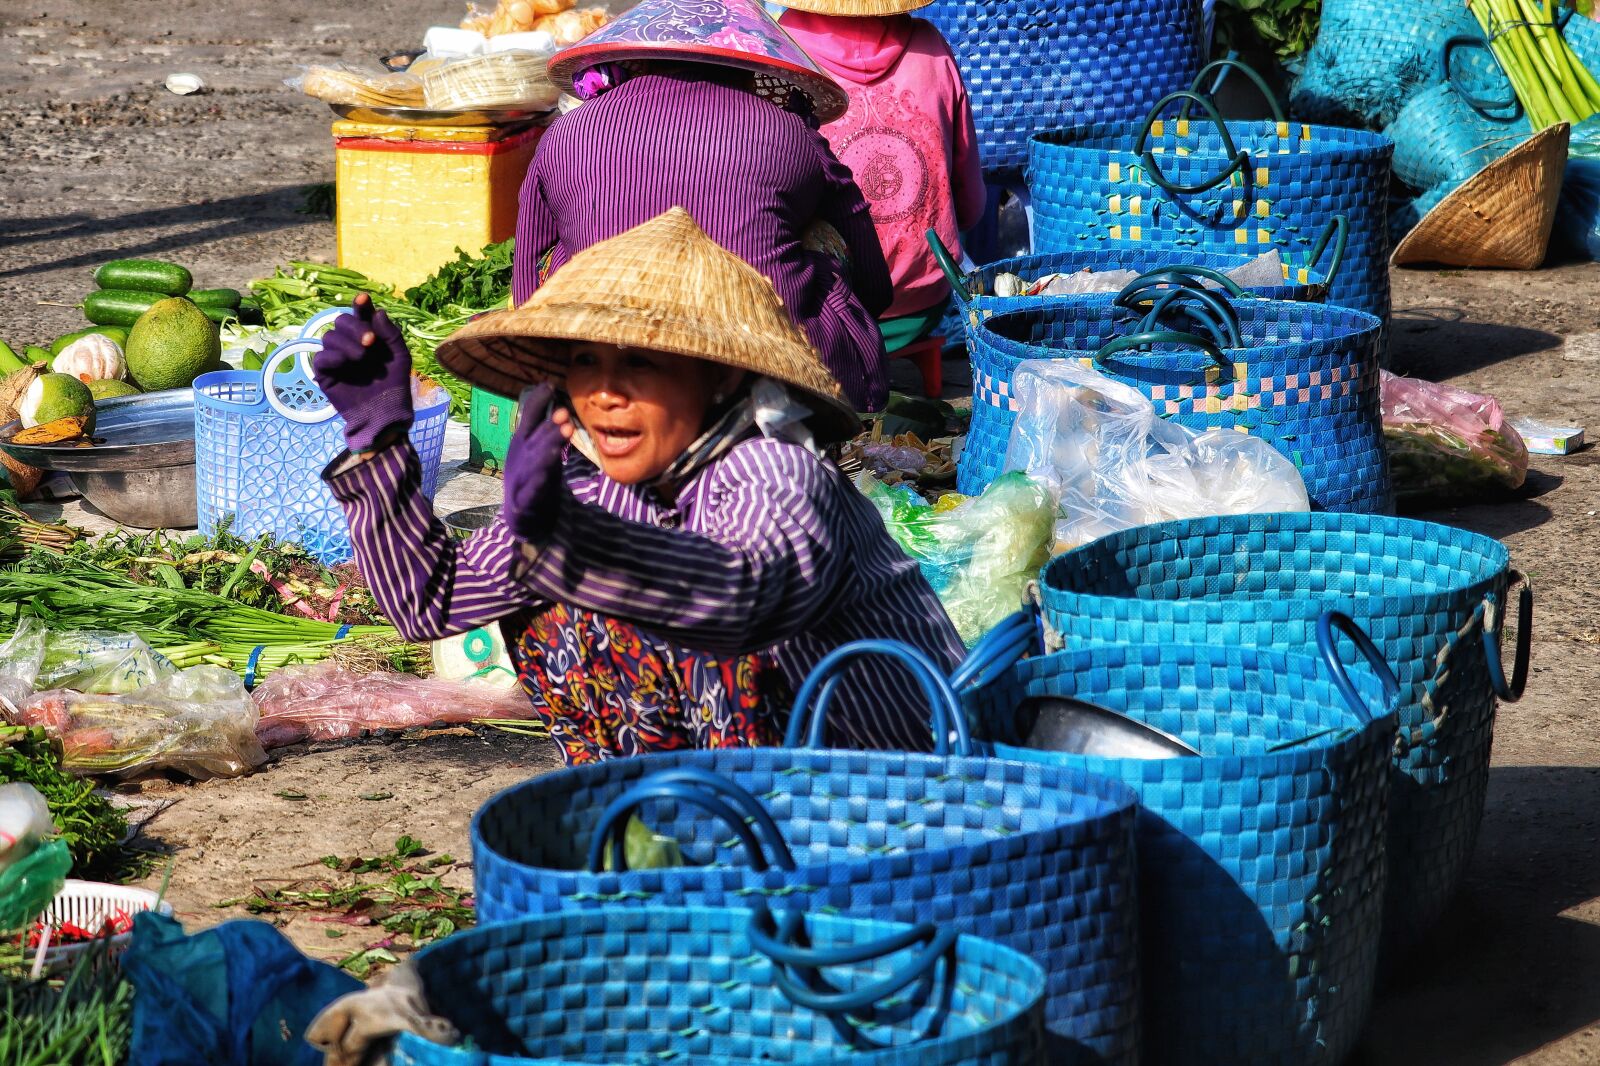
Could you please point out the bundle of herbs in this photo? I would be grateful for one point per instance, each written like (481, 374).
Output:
(93, 828)
(84, 1017)
(1549, 79)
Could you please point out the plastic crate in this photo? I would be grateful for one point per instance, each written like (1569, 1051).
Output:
(489, 431)
(409, 196)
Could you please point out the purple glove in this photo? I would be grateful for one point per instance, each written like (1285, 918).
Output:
(533, 470)
(365, 371)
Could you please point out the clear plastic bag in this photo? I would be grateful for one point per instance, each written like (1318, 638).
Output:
(1112, 463)
(24, 822)
(1446, 442)
(198, 722)
(326, 701)
(39, 658)
(978, 553)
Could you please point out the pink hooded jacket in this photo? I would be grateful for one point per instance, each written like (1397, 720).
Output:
(908, 137)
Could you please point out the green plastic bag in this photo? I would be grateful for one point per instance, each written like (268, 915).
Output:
(29, 885)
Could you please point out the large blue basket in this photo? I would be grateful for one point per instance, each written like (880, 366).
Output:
(1036, 858)
(1032, 64)
(1432, 598)
(1232, 187)
(1304, 378)
(260, 449)
(688, 985)
(1261, 862)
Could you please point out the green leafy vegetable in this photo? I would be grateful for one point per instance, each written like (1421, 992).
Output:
(91, 826)
(1287, 27)
(482, 281)
(85, 1019)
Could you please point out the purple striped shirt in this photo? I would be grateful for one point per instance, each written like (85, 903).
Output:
(752, 175)
(766, 549)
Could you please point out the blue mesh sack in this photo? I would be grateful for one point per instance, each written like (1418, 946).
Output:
(1035, 858)
(1434, 600)
(1234, 187)
(1032, 64)
(703, 986)
(1261, 857)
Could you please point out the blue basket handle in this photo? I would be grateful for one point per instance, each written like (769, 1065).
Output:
(1231, 64)
(1336, 233)
(717, 796)
(1479, 104)
(947, 263)
(809, 989)
(809, 721)
(301, 350)
(1491, 645)
(1328, 644)
(1162, 336)
(999, 650)
(1241, 160)
(1188, 275)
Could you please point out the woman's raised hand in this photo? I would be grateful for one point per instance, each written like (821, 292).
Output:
(364, 369)
(534, 485)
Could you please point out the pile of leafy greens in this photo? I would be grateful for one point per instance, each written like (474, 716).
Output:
(482, 281)
(1285, 27)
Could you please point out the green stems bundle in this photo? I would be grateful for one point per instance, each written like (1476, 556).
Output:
(1551, 82)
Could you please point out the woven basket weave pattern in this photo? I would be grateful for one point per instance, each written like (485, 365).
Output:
(684, 985)
(1261, 872)
(1038, 862)
(1033, 64)
(1262, 581)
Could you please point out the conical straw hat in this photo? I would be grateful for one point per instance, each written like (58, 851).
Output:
(1500, 217)
(730, 33)
(663, 285)
(856, 8)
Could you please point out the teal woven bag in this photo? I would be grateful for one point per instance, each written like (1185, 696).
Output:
(1447, 133)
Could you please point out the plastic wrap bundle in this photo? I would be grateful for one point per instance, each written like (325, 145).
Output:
(1447, 443)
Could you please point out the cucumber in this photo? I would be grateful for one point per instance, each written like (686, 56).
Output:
(116, 333)
(219, 315)
(118, 307)
(144, 275)
(215, 297)
(9, 360)
(36, 354)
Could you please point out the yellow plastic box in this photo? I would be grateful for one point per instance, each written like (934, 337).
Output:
(409, 196)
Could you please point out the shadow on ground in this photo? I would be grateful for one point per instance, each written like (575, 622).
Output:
(1441, 342)
(1537, 858)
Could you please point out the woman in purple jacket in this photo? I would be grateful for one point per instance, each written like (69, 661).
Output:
(671, 578)
(707, 105)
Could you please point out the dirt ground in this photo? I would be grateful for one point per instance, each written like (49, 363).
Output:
(97, 160)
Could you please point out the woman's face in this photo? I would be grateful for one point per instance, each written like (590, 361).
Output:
(642, 408)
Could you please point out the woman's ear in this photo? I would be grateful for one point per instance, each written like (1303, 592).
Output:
(726, 381)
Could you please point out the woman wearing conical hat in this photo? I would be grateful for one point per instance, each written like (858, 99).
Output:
(673, 555)
(709, 106)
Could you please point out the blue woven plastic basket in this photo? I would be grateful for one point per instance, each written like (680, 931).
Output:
(691, 985)
(1202, 184)
(1432, 598)
(1033, 64)
(1303, 377)
(1447, 133)
(260, 449)
(1261, 862)
(1036, 858)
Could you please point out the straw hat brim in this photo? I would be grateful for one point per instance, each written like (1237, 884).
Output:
(856, 8)
(506, 351)
(1502, 216)
(828, 100)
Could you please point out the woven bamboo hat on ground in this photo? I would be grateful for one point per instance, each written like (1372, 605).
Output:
(1500, 217)
(855, 8)
(730, 33)
(663, 285)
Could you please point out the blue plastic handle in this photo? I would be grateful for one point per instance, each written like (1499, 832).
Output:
(1491, 646)
(809, 721)
(998, 651)
(709, 797)
(1328, 644)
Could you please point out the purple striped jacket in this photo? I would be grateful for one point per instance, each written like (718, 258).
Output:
(752, 175)
(766, 549)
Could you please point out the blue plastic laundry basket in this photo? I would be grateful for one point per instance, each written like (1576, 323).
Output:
(1032, 64)
(1432, 597)
(1261, 861)
(1037, 858)
(1177, 182)
(1301, 376)
(693, 985)
(260, 450)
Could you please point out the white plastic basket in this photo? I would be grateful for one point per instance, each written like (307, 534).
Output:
(88, 905)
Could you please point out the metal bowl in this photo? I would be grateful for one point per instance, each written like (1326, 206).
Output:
(462, 524)
(416, 116)
(139, 469)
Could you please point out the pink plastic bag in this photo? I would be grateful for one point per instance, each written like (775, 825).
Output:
(329, 702)
(1446, 442)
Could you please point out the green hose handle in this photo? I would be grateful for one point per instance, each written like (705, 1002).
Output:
(1185, 274)
(1479, 104)
(1163, 336)
(1217, 314)
(1241, 160)
(1248, 71)
(947, 263)
(1337, 233)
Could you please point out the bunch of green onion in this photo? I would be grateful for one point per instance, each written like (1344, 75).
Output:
(1548, 78)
